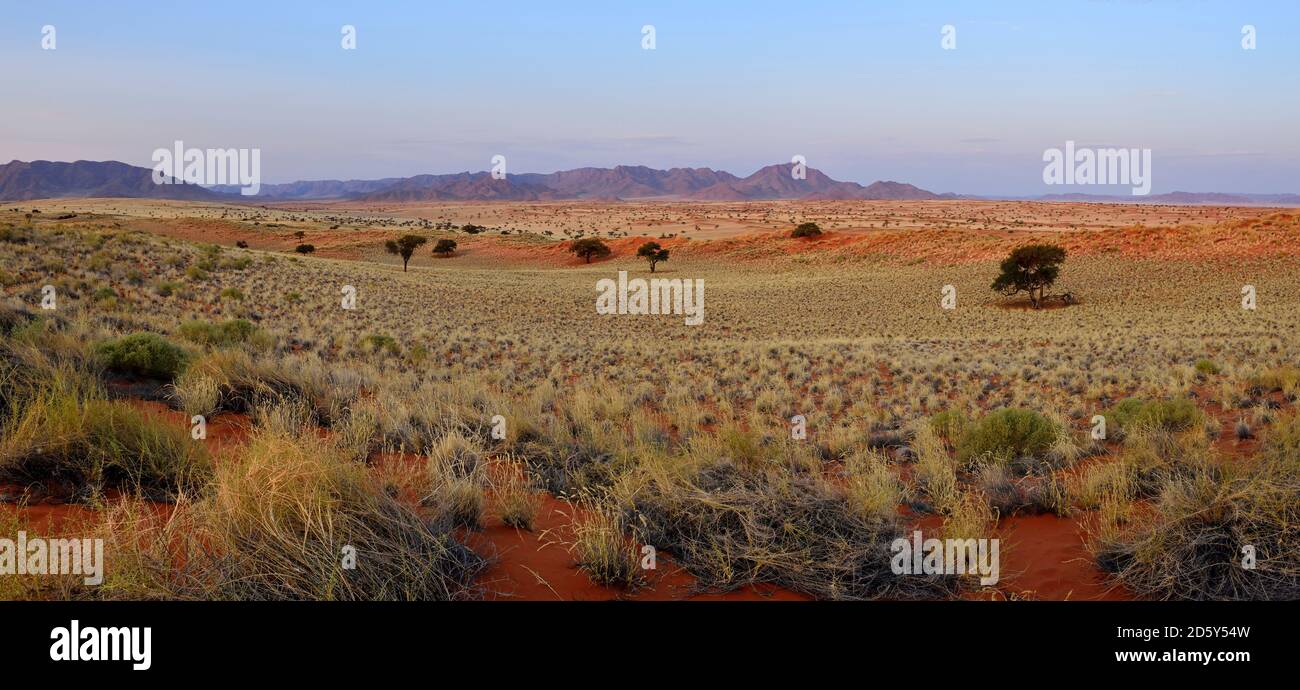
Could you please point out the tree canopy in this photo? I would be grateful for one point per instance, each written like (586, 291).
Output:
(589, 247)
(806, 230)
(652, 252)
(405, 247)
(1030, 269)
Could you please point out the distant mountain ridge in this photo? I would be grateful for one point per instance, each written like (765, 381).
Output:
(49, 179)
(640, 182)
(21, 181)
(315, 189)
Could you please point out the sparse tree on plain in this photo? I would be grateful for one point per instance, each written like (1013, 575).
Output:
(444, 247)
(405, 247)
(806, 230)
(589, 247)
(305, 248)
(1031, 269)
(652, 252)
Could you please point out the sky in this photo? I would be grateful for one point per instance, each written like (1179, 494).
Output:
(863, 89)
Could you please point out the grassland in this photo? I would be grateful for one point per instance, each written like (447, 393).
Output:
(373, 426)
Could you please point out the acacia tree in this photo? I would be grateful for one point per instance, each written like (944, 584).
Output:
(652, 252)
(806, 230)
(589, 247)
(1030, 269)
(405, 246)
(444, 247)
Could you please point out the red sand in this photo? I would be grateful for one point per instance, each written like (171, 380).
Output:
(1044, 557)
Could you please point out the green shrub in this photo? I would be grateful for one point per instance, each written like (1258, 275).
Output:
(376, 342)
(104, 293)
(224, 334)
(1171, 415)
(1006, 435)
(235, 264)
(1207, 367)
(950, 425)
(233, 294)
(145, 354)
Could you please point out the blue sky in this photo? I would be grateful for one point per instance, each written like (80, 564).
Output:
(862, 89)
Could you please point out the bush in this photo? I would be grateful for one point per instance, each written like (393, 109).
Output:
(444, 247)
(233, 294)
(1207, 367)
(104, 294)
(950, 425)
(167, 288)
(144, 354)
(1007, 435)
(806, 230)
(1171, 415)
(224, 334)
(376, 342)
(305, 248)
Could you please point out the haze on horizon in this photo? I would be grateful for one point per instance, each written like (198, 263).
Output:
(863, 90)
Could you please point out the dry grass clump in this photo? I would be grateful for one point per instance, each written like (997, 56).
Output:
(602, 548)
(457, 477)
(1193, 543)
(731, 527)
(288, 518)
(517, 502)
(232, 381)
(871, 487)
(57, 428)
(280, 518)
(935, 472)
(1154, 455)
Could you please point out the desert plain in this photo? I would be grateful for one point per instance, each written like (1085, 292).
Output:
(472, 428)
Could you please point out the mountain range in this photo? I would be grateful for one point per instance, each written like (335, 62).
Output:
(48, 179)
